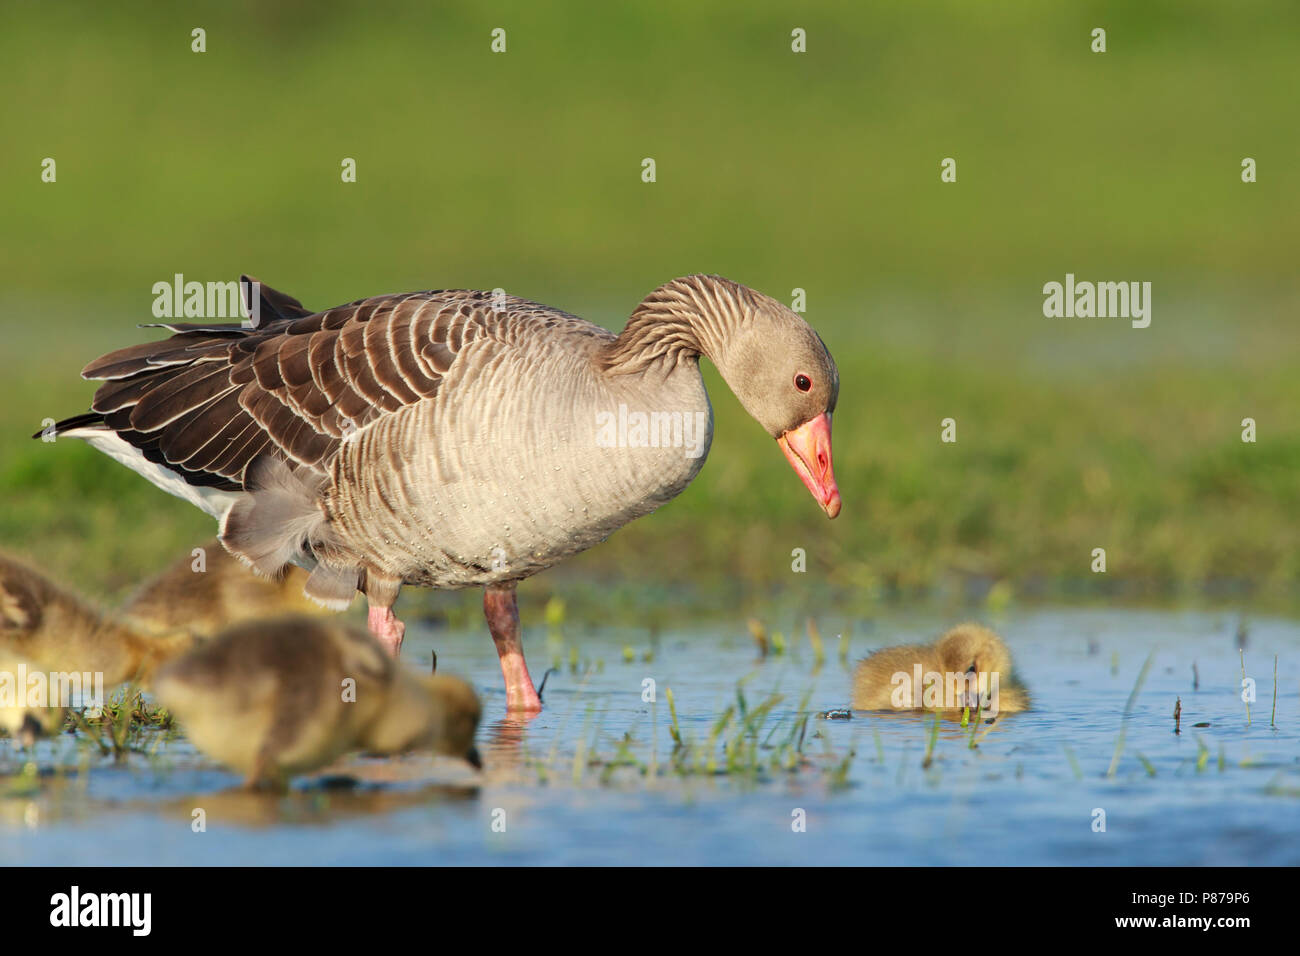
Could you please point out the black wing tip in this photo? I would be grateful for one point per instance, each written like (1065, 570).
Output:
(67, 424)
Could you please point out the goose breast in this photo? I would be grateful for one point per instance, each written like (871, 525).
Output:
(528, 453)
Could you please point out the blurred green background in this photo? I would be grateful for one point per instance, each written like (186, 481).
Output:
(817, 171)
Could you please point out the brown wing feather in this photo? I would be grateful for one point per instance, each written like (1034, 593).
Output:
(175, 397)
(401, 347)
(192, 443)
(210, 399)
(112, 396)
(383, 366)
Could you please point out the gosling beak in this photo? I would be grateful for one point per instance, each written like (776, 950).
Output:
(474, 759)
(972, 696)
(808, 449)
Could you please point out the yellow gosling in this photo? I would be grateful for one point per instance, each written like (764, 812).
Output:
(207, 593)
(58, 631)
(272, 699)
(896, 678)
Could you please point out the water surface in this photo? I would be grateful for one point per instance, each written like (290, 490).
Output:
(1028, 793)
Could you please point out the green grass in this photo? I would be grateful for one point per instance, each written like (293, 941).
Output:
(746, 742)
(1128, 712)
(817, 171)
(127, 723)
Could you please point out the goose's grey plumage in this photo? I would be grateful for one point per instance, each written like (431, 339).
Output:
(452, 438)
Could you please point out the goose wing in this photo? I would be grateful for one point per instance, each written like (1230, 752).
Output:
(208, 401)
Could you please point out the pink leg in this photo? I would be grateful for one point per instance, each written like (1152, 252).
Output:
(387, 628)
(502, 613)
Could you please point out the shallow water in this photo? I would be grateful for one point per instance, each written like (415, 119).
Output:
(1028, 793)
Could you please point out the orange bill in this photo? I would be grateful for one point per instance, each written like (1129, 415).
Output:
(808, 449)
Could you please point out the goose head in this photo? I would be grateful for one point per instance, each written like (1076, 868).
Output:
(785, 378)
(767, 354)
(27, 725)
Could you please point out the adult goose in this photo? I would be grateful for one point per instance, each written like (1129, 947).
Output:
(452, 439)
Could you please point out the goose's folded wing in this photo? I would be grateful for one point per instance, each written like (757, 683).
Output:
(210, 399)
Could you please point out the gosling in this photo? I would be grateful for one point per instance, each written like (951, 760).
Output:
(207, 598)
(974, 671)
(58, 631)
(271, 699)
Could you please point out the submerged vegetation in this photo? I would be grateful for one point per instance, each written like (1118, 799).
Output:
(128, 723)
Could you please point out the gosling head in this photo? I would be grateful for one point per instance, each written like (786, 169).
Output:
(973, 647)
(974, 650)
(458, 709)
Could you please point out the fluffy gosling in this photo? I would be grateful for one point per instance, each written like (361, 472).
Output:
(272, 699)
(967, 651)
(58, 631)
(223, 593)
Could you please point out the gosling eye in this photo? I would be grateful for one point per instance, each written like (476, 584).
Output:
(802, 382)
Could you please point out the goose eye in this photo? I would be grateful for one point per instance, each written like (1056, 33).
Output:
(802, 382)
